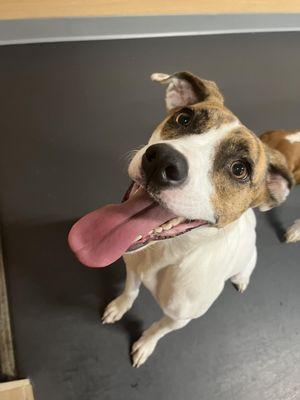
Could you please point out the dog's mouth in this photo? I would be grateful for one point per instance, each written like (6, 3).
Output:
(102, 236)
(171, 228)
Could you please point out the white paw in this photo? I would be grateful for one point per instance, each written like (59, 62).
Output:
(116, 309)
(293, 233)
(142, 349)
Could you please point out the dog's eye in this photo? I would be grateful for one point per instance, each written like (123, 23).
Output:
(239, 170)
(184, 118)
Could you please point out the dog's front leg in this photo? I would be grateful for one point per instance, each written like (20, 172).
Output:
(118, 307)
(146, 344)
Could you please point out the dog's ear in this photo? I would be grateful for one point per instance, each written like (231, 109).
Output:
(185, 89)
(279, 180)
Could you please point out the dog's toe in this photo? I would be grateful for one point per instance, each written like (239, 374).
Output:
(115, 310)
(141, 350)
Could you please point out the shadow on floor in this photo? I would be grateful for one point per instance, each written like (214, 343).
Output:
(41, 256)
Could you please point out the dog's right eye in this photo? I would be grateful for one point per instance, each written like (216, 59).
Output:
(184, 118)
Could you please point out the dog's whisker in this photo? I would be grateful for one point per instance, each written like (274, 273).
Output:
(128, 156)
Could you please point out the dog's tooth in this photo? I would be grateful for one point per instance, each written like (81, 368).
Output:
(177, 221)
(167, 226)
(170, 224)
(151, 232)
(159, 229)
(139, 237)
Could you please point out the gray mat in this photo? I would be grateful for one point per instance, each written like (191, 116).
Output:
(69, 115)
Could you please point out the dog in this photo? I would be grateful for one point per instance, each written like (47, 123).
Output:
(186, 224)
(288, 143)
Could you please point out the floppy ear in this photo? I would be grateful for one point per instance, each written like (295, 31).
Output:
(185, 89)
(279, 180)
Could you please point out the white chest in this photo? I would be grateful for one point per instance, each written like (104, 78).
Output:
(192, 268)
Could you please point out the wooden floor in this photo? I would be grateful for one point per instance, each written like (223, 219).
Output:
(11, 9)
(7, 367)
(16, 390)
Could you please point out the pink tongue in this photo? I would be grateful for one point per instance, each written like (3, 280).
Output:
(102, 236)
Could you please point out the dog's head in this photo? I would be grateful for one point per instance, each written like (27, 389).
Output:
(202, 163)
(201, 167)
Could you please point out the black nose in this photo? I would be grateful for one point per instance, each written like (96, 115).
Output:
(164, 166)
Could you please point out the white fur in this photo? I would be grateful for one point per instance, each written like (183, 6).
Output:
(293, 137)
(293, 233)
(185, 275)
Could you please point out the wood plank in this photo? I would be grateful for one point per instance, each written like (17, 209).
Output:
(7, 360)
(16, 390)
(16, 9)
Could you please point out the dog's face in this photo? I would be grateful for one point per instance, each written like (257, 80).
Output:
(202, 163)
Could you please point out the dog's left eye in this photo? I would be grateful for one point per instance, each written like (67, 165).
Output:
(184, 118)
(239, 170)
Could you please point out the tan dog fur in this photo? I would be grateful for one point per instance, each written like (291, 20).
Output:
(288, 144)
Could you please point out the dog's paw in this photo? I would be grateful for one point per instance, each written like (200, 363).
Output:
(293, 233)
(116, 309)
(142, 349)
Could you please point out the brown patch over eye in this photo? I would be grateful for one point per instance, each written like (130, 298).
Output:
(238, 172)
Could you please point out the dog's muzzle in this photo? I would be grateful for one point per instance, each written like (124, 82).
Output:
(163, 166)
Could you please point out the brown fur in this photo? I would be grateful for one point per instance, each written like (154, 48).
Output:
(291, 151)
(229, 193)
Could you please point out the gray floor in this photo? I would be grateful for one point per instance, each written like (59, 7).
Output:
(69, 114)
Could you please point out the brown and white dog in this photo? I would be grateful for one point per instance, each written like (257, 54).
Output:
(186, 225)
(288, 143)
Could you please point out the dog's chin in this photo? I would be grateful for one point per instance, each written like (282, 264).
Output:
(169, 230)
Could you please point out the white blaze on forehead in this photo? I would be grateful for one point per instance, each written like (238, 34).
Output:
(293, 137)
(193, 199)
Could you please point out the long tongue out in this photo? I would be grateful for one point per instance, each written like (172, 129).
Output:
(102, 236)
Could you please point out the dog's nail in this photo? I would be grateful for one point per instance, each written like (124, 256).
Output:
(235, 286)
